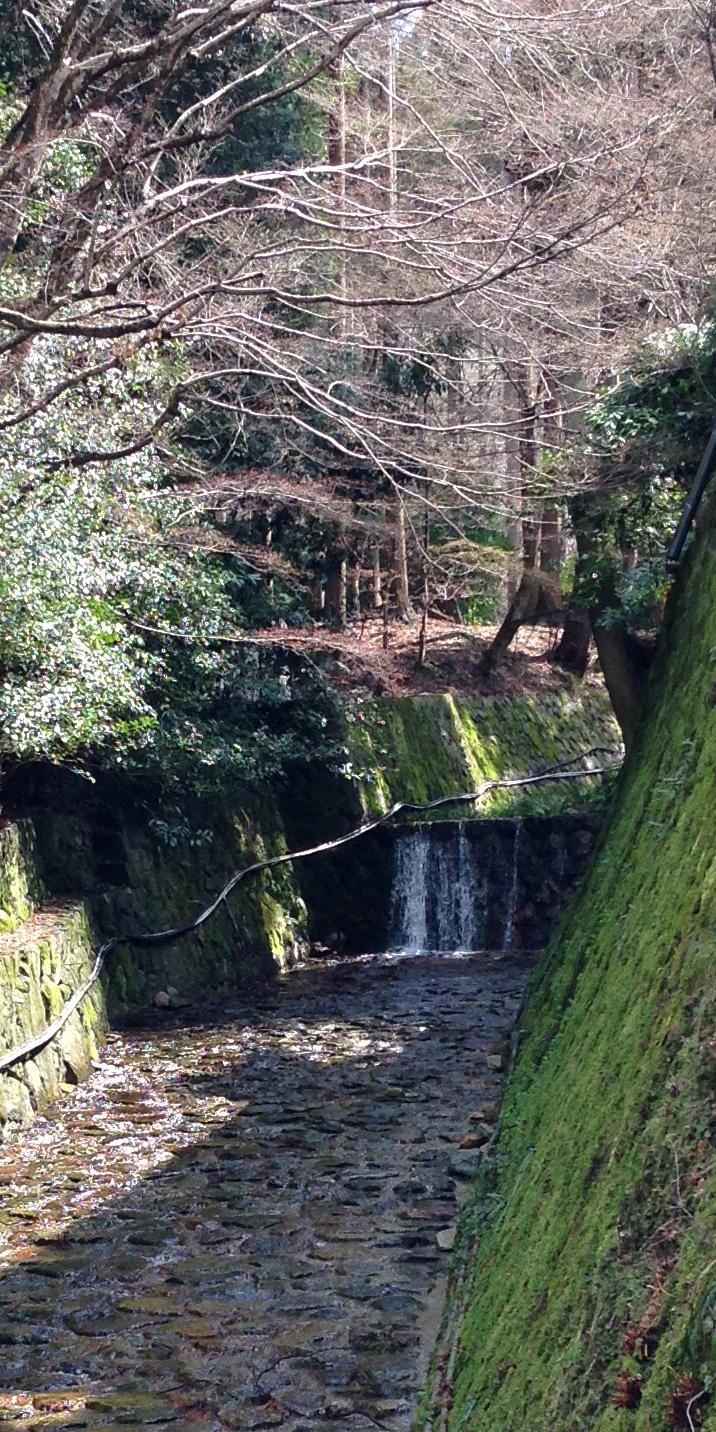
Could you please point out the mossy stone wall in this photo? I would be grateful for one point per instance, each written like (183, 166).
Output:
(136, 878)
(21, 887)
(593, 1304)
(82, 871)
(41, 965)
(419, 747)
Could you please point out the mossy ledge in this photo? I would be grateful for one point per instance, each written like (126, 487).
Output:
(419, 747)
(593, 1301)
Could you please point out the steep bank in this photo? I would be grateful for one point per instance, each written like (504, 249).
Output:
(594, 1296)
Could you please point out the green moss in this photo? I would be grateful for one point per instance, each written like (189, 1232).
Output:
(123, 990)
(597, 1218)
(20, 882)
(419, 747)
(41, 964)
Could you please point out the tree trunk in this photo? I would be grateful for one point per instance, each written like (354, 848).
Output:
(572, 650)
(336, 600)
(550, 560)
(377, 579)
(336, 153)
(522, 608)
(621, 655)
(318, 596)
(524, 602)
(402, 584)
(550, 555)
(624, 674)
(354, 589)
(423, 638)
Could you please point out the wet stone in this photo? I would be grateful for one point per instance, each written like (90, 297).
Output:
(239, 1223)
(465, 1162)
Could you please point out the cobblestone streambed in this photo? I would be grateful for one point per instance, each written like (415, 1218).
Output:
(234, 1224)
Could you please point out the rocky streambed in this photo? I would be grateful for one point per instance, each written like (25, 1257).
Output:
(245, 1223)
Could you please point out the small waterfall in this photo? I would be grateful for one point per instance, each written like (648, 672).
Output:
(439, 891)
(511, 905)
(464, 893)
(472, 890)
(409, 898)
(491, 884)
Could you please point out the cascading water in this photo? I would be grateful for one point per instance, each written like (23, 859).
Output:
(408, 916)
(440, 889)
(477, 884)
(511, 908)
(471, 895)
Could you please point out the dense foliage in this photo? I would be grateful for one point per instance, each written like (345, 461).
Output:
(122, 604)
(645, 434)
(121, 610)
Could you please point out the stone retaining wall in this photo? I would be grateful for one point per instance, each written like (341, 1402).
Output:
(46, 951)
(79, 873)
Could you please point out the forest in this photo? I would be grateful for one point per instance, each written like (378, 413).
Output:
(336, 320)
(357, 427)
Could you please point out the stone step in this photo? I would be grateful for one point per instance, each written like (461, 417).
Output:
(21, 886)
(42, 963)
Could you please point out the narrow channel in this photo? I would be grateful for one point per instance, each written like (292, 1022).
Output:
(245, 1222)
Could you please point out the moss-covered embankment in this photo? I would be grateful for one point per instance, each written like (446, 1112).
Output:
(594, 1296)
(416, 748)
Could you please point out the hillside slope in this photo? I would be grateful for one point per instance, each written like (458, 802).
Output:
(593, 1303)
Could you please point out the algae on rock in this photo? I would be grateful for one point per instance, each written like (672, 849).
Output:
(41, 965)
(21, 889)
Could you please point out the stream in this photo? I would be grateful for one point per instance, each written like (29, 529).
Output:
(234, 1223)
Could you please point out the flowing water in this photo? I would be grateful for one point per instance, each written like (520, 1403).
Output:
(234, 1224)
(511, 905)
(452, 881)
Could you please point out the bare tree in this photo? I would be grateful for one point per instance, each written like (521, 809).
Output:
(483, 174)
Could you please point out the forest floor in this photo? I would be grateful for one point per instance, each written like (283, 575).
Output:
(356, 659)
(245, 1223)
